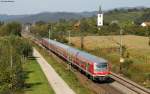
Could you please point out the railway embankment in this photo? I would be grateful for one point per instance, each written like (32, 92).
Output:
(79, 82)
(57, 83)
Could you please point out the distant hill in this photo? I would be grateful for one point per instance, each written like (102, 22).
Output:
(121, 15)
(45, 16)
(10, 17)
(125, 14)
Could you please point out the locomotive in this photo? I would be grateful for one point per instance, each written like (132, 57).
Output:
(95, 67)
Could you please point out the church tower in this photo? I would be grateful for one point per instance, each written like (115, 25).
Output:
(100, 18)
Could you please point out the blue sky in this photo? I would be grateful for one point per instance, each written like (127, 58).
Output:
(36, 6)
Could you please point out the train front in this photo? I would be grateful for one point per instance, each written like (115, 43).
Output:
(101, 71)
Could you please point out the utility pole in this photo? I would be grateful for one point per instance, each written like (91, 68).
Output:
(11, 66)
(148, 35)
(81, 34)
(49, 35)
(69, 41)
(69, 57)
(79, 27)
(49, 31)
(121, 50)
(82, 40)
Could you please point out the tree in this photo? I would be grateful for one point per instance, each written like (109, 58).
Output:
(83, 28)
(12, 49)
(13, 28)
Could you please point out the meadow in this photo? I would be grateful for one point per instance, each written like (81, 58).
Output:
(137, 54)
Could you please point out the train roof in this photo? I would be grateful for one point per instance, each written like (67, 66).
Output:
(88, 56)
(92, 57)
(57, 43)
(80, 53)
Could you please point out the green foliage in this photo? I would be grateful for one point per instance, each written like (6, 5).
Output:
(113, 21)
(127, 64)
(40, 30)
(13, 28)
(144, 18)
(1, 23)
(11, 59)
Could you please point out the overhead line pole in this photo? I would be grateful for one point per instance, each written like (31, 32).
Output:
(121, 50)
(69, 43)
(49, 34)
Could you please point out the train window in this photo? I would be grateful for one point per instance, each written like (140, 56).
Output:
(101, 67)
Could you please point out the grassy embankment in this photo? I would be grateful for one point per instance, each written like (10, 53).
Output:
(137, 47)
(35, 80)
(68, 76)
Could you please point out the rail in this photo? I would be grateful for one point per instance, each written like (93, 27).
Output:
(130, 84)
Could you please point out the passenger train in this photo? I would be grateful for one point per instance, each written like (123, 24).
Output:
(95, 67)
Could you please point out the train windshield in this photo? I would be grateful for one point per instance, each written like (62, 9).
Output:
(101, 67)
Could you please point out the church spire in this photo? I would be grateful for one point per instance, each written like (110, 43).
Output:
(100, 17)
(100, 9)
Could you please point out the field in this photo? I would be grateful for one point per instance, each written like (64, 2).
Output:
(131, 41)
(136, 47)
(35, 80)
(134, 44)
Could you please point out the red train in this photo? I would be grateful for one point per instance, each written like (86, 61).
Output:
(95, 67)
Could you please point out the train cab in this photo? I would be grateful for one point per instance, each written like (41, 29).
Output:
(101, 71)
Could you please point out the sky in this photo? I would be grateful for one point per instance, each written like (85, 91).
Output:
(37, 6)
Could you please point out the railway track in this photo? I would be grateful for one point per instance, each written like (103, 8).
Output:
(98, 88)
(130, 84)
(107, 89)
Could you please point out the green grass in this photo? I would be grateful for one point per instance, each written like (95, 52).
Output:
(68, 76)
(36, 82)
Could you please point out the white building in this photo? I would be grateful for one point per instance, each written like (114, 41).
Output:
(145, 24)
(100, 18)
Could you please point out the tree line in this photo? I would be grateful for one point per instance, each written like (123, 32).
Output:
(13, 53)
(87, 27)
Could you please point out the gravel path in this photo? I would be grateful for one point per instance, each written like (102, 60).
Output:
(59, 86)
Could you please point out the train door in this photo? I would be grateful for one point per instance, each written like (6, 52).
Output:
(76, 58)
(87, 66)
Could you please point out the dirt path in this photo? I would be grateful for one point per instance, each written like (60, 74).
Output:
(59, 86)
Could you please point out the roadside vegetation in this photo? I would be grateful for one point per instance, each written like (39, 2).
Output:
(19, 72)
(13, 53)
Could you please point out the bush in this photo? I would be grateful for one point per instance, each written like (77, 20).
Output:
(127, 64)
